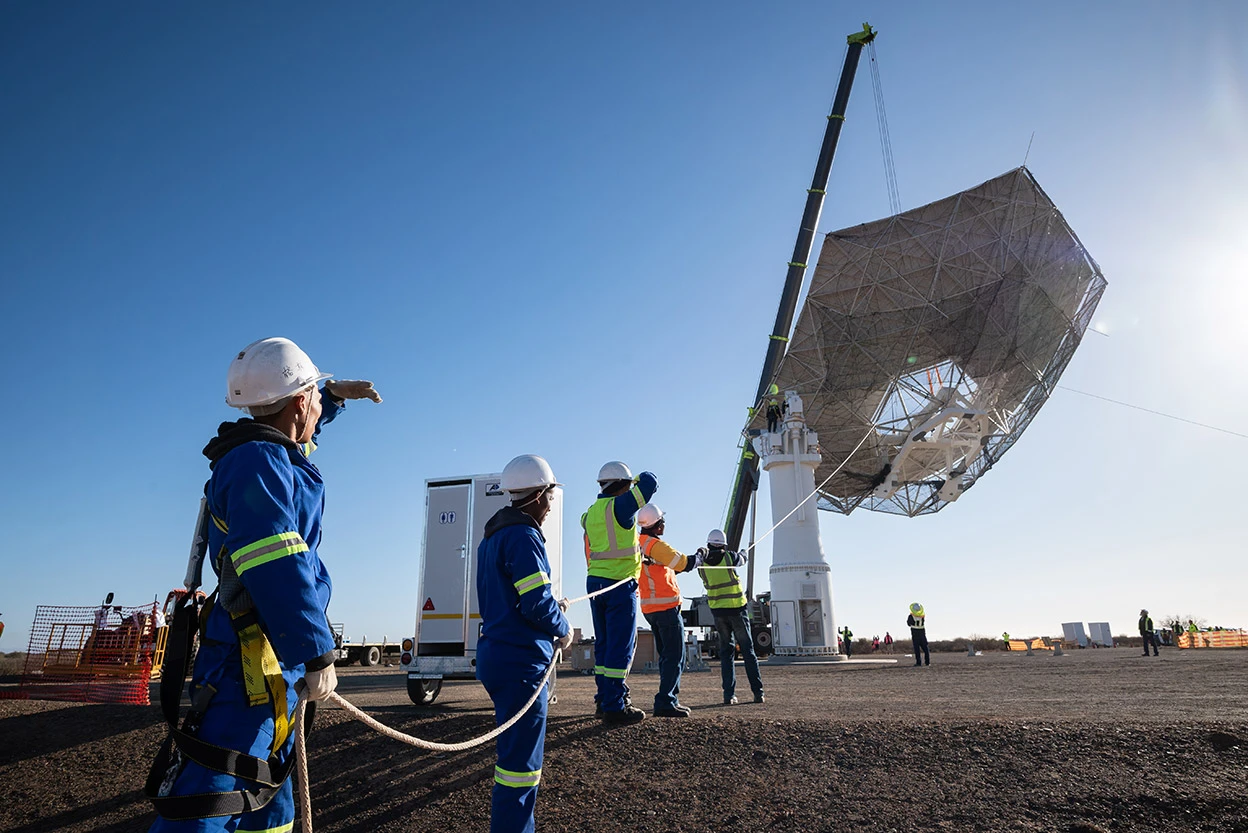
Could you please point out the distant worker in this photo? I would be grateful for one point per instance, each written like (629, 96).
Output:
(773, 416)
(613, 552)
(1005, 637)
(875, 643)
(849, 641)
(521, 628)
(1, 626)
(265, 498)
(660, 604)
(888, 642)
(1147, 635)
(728, 605)
(917, 620)
(1191, 627)
(104, 612)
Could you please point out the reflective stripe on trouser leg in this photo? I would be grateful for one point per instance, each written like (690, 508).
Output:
(232, 723)
(510, 676)
(615, 638)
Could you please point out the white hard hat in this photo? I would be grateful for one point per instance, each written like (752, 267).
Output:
(267, 371)
(649, 515)
(528, 471)
(716, 538)
(612, 471)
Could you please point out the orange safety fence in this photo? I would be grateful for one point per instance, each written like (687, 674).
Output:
(1213, 639)
(98, 654)
(1037, 644)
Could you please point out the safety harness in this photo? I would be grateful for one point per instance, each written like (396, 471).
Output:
(262, 675)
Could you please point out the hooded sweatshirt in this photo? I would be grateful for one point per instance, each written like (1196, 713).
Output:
(513, 586)
(266, 500)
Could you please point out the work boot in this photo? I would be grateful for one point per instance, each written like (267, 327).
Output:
(684, 709)
(758, 698)
(628, 701)
(627, 717)
(673, 712)
(730, 701)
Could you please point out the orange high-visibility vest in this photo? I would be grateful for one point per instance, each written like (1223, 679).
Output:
(656, 586)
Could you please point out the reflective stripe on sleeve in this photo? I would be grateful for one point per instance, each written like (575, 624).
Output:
(281, 828)
(266, 550)
(523, 780)
(538, 579)
(614, 673)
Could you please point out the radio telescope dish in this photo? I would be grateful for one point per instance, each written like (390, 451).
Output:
(937, 334)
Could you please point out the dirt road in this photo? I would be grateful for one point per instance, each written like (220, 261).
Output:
(1095, 740)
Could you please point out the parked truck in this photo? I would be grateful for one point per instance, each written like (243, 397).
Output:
(364, 652)
(448, 619)
(699, 615)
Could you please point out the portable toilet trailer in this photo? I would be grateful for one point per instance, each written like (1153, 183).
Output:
(1101, 634)
(1073, 632)
(448, 620)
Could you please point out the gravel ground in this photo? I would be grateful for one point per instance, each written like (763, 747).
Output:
(1097, 740)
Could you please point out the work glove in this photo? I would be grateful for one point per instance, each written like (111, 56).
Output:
(691, 562)
(701, 553)
(564, 642)
(352, 389)
(321, 683)
(564, 605)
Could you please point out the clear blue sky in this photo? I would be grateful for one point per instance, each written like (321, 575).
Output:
(562, 228)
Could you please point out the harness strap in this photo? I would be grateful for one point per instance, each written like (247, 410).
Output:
(262, 674)
(264, 682)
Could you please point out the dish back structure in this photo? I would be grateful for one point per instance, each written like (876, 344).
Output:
(929, 340)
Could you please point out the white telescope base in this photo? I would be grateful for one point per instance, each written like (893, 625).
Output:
(802, 623)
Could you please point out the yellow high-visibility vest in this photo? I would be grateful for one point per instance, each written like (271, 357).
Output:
(612, 551)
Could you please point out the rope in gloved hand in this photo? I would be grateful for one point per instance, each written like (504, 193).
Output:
(301, 752)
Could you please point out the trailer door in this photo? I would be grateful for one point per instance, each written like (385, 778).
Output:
(488, 498)
(445, 576)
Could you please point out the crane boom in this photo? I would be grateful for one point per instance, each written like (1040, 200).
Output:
(746, 480)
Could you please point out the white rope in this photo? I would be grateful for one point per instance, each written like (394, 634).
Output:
(301, 770)
(301, 746)
(301, 752)
(834, 473)
(433, 746)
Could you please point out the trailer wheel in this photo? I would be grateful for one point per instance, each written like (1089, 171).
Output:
(371, 655)
(423, 692)
(762, 641)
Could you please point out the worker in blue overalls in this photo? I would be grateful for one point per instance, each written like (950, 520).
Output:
(266, 626)
(521, 628)
(613, 550)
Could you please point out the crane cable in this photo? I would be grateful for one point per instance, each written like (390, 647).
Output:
(886, 143)
(1155, 413)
